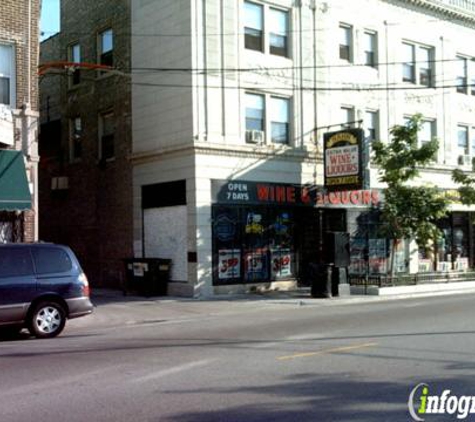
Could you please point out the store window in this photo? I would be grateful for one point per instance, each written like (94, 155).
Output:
(346, 42)
(369, 246)
(7, 75)
(453, 247)
(252, 244)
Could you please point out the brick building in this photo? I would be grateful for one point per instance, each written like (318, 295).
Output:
(19, 46)
(222, 107)
(85, 138)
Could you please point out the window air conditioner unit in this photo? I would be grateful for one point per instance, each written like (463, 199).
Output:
(60, 183)
(465, 160)
(254, 136)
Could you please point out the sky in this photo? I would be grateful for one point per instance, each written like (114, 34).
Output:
(49, 22)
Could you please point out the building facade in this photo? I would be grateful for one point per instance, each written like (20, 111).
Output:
(86, 184)
(230, 103)
(19, 46)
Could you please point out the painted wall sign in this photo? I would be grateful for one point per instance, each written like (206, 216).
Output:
(261, 193)
(343, 160)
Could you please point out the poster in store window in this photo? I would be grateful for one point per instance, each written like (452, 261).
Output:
(281, 261)
(229, 264)
(255, 264)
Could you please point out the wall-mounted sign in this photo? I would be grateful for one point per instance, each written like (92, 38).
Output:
(343, 159)
(283, 194)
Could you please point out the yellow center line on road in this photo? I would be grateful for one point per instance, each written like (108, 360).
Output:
(327, 351)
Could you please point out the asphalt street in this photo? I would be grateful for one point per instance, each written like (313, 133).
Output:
(242, 360)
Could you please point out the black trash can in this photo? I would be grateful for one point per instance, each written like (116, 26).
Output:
(147, 276)
(320, 280)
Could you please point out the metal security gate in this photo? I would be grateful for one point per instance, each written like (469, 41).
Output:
(11, 227)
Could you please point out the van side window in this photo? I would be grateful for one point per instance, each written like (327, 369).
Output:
(51, 260)
(15, 262)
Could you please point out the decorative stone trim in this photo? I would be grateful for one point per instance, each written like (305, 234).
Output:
(283, 153)
(459, 9)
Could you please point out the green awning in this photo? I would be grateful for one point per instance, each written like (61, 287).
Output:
(14, 190)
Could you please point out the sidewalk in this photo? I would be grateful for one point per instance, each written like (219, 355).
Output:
(112, 308)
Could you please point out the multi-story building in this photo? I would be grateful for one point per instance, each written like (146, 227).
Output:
(19, 45)
(85, 145)
(230, 101)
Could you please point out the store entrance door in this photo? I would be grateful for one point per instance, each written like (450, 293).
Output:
(312, 226)
(307, 236)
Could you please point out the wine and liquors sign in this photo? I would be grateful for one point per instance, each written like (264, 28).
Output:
(343, 160)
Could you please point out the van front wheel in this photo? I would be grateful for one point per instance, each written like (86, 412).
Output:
(47, 320)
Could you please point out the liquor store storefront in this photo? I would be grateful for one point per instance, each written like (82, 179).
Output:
(268, 232)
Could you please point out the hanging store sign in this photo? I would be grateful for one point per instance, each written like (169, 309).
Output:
(343, 160)
(261, 193)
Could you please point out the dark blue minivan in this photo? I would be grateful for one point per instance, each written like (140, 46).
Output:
(41, 285)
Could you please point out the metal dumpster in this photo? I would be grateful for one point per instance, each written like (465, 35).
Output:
(147, 276)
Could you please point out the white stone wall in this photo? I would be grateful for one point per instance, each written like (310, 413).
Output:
(197, 131)
(161, 100)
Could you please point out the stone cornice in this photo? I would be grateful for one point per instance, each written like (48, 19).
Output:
(444, 7)
(263, 152)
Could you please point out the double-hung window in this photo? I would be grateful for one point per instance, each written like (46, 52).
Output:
(462, 75)
(255, 112)
(370, 48)
(75, 136)
(371, 123)
(279, 27)
(266, 114)
(106, 133)
(425, 66)
(462, 140)
(409, 63)
(266, 29)
(106, 47)
(279, 116)
(347, 117)
(418, 64)
(253, 26)
(7, 75)
(346, 42)
(426, 132)
(75, 57)
(465, 75)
